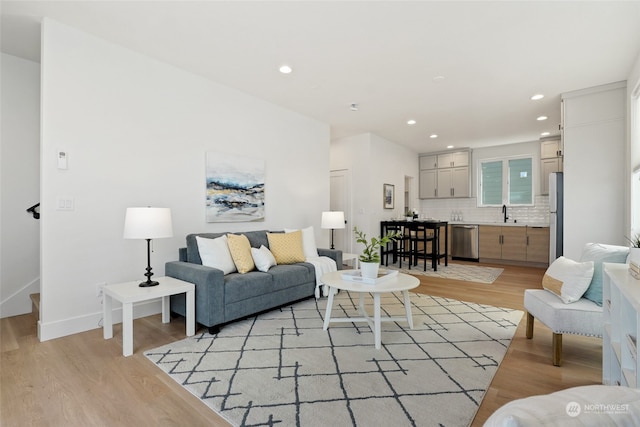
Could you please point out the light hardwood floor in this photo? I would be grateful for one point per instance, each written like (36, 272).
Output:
(83, 380)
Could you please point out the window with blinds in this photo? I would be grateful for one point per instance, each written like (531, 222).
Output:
(520, 182)
(506, 181)
(491, 183)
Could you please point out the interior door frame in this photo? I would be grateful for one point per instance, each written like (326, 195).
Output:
(342, 237)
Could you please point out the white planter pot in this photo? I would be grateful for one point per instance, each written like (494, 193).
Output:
(369, 270)
(634, 255)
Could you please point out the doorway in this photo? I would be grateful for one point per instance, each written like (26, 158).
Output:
(408, 180)
(340, 200)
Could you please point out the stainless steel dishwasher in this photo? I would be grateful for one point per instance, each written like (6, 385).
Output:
(464, 242)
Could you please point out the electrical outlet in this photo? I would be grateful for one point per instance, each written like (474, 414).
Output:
(99, 289)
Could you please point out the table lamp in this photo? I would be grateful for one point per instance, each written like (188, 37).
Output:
(332, 220)
(148, 223)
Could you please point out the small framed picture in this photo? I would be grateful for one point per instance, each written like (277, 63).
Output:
(389, 195)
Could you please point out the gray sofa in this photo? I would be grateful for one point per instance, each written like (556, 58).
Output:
(223, 298)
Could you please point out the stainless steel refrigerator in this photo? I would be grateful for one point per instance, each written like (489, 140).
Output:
(555, 215)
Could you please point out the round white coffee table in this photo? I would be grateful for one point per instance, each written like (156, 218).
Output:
(400, 283)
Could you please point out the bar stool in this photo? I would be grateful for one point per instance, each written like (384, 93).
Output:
(404, 246)
(393, 247)
(419, 237)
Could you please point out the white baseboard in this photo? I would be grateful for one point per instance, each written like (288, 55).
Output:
(62, 328)
(19, 302)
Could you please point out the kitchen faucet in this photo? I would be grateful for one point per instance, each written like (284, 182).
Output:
(504, 213)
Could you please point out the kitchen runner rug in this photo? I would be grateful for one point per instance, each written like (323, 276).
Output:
(465, 272)
(281, 368)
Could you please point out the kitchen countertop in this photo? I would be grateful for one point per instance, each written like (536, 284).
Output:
(507, 224)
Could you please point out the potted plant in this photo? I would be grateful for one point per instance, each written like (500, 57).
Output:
(370, 258)
(634, 251)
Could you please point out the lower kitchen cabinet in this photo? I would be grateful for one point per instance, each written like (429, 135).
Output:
(490, 241)
(538, 244)
(514, 243)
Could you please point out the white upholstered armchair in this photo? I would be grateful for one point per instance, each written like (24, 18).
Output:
(568, 304)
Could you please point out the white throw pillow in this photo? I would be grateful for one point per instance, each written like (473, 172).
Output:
(263, 258)
(568, 279)
(215, 253)
(308, 241)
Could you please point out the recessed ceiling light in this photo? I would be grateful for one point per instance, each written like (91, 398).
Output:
(545, 134)
(537, 96)
(354, 107)
(541, 118)
(449, 146)
(285, 69)
(433, 135)
(438, 78)
(411, 122)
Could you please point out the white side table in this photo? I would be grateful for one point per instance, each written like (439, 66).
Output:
(401, 283)
(129, 293)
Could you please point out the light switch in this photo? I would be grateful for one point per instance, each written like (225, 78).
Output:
(63, 158)
(65, 204)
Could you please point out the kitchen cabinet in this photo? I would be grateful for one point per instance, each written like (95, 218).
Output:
(550, 148)
(490, 241)
(445, 175)
(538, 244)
(452, 160)
(551, 160)
(428, 162)
(428, 184)
(453, 182)
(505, 243)
(621, 301)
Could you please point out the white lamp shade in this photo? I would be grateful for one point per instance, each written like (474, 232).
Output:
(332, 220)
(147, 223)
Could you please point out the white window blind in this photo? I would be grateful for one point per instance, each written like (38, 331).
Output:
(506, 181)
(520, 182)
(491, 183)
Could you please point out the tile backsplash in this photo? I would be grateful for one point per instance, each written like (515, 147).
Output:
(453, 209)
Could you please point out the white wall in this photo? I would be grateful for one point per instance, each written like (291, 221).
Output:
(373, 162)
(595, 169)
(20, 188)
(633, 149)
(137, 131)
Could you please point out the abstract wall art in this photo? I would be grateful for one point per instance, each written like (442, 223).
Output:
(235, 188)
(388, 196)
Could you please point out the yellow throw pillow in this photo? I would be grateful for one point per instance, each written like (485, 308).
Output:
(240, 249)
(286, 247)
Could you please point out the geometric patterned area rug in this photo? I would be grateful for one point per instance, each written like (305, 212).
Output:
(281, 368)
(468, 273)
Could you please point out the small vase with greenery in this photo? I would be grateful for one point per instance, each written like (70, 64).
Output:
(634, 251)
(635, 241)
(371, 254)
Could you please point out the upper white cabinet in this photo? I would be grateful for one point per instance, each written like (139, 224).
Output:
(428, 184)
(452, 160)
(550, 148)
(445, 175)
(453, 182)
(428, 162)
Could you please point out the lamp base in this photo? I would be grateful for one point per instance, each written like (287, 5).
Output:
(148, 283)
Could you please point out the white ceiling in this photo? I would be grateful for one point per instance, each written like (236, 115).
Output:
(382, 55)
